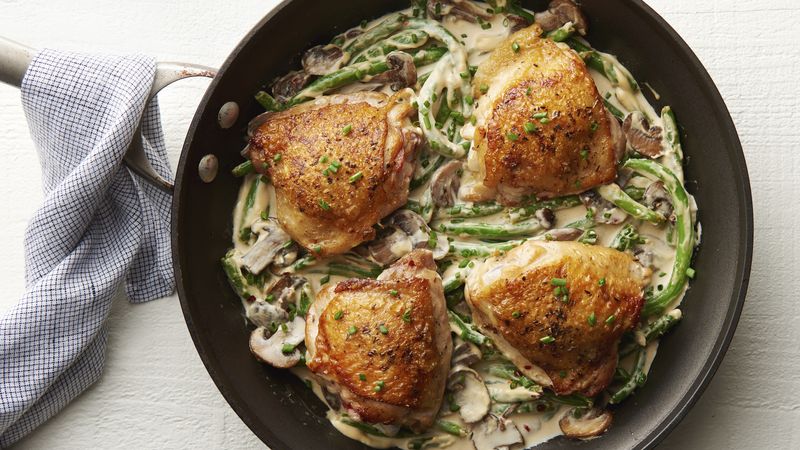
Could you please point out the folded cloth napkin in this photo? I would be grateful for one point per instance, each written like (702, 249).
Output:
(99, 226)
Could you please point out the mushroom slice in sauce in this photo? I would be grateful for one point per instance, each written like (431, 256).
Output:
(322, 59)
(586, 424)
(404, 231)
(263, 314)
(560, 12)
(284, 289)
(469, 393)
(562, 234)
(658, 199)
(445, 183)
(458, 8)
(279, 350)
(494, 433)
(285, 87)
(464, 353)
(402, 71)
(271, 240)
(641, 136)
(604, 211)
(617, 136)
(546, 217)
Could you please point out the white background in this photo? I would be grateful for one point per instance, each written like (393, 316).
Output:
(155, 392)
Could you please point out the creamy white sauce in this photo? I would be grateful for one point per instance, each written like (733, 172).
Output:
(535, 427)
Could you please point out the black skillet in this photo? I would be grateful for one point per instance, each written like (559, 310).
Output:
(276, 405)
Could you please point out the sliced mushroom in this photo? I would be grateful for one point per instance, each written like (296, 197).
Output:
(445, 183)
(562, 234)
(658, 199)
(285, 289)
(546, 217)
(271, 240)
(402, 71)
(641, 136)
(618, 138)
(582, 423)
(285, 87)
(322, 59)
(458, 8)
(644, 256)
(494, 433)
(560, 12)
(470, 394)
(464, 353)
(505, 393)
(603, 210)
(404, 231)
(264, 314)
(279, 350)
(516, 23)
(256, 122)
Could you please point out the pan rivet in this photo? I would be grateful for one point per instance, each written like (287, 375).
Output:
(228, 114)
(207, 169)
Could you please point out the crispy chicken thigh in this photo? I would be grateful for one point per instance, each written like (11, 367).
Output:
(384, 345)
(339, 164)
(542, 127)
(558, 310)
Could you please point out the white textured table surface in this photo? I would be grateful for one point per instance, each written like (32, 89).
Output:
(155, 392)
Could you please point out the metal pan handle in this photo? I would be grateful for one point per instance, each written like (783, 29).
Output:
(15, 59)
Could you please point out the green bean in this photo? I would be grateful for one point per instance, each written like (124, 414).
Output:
(234, 275)
(268, 102)
(513, 7)
(249, 200)
(684, 229)
(451, 428)
(481, 250)
(351, 270)
(474, 210)
(562, 34)
(529, 209)
(637, 379)
(511, 373)
(613, 193)
(627, 238)
(356, 72)
(450, 284)
(466, 331)
(304, 262)
(653, 331)
(361, 426)
(672, 133)
(491, 230)
(614, 110)
(404, 40)
(576, 400)
(634, 192)
(380, 31)
(243, 169)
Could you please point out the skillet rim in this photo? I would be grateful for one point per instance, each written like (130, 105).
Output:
(743, 267)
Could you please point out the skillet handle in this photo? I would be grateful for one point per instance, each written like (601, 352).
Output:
(15, 59)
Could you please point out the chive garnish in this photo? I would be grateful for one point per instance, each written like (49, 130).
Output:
(362, 377)
(393, 292)
(547, 340)
(324, 205)
(530, 127)
(352, 330)
(288, 348)
(592, 319)
(357, 176)
(601, 282)
(558, 282)
(512, 136)
(277, 157)
(515, 47)
(383, 329)
(516, 314)
(347, 129)
(611, 319)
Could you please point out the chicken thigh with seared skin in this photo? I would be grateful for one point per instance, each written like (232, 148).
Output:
(384, 345)
(339, 164)
(557, 310)
(542, 127)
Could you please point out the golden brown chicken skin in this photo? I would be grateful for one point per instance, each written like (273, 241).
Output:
(558, 310)
(384, 345)
(542, 127)
(339, 164)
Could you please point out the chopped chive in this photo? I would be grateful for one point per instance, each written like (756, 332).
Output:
(338, 314)
(324, 205)
(357, 176)
(611, 319)
(516, 314)
(352, 330)
(584, 154)
(332, 168)
(393, 292)
(378, 386)
(530, 127)
(592, 319)
(277, 157)
(264, 215)
(558, 282)
(601, 282)
(326, 172)
(432, 239)
(690, 273)
(362, 377)
(515, 47)
(316, 248)
(288, 348)
(284, 327)
(270, 298)
(407, 316)
(347, 129)
(468, 98)
(593, 126)
(484, 88)
(540, 115)
(383, 329)
(547, 340)
(544, 120)
(562, 373)
(324, 279)
(323, 159)
(464, 75)
(512, 136)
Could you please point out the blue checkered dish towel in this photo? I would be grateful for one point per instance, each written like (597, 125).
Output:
(99, 227)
